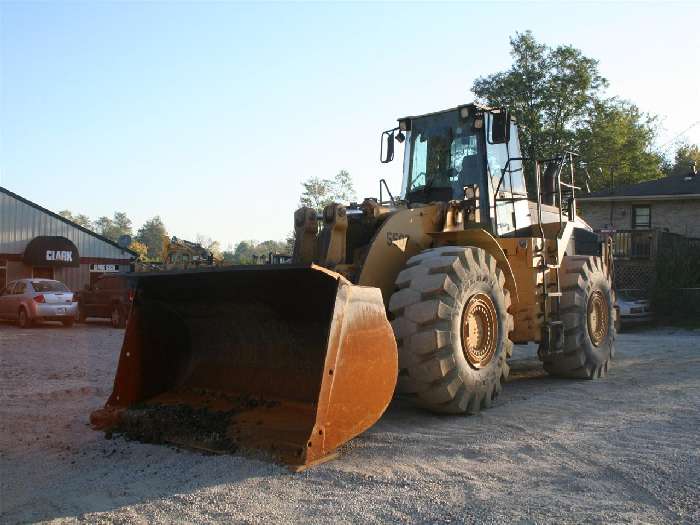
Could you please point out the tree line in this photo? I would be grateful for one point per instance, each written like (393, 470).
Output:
(557, 95)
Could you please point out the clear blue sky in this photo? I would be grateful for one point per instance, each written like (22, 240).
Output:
(212, 114)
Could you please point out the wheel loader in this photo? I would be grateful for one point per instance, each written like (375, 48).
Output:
(421, 295)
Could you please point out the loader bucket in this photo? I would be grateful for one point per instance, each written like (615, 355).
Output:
(290, 360)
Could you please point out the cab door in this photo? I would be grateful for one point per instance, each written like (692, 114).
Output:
(508, 193)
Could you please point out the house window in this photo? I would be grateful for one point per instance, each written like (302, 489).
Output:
(641, 217)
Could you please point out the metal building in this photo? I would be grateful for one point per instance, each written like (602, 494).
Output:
(35, 242)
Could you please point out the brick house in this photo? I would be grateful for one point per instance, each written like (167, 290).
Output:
(644, 219)
(669, 204)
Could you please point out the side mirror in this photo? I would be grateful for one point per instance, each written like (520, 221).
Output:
(500, 127)
(386, 152)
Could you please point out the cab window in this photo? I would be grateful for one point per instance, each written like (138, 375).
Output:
(517, 174)
(498, 156)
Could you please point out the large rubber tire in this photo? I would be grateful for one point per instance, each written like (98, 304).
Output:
(68, 322)
(589, 341)
(427, 311)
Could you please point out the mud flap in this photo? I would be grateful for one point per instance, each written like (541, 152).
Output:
(290, 360)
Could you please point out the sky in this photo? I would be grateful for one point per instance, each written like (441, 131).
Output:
(212, 114)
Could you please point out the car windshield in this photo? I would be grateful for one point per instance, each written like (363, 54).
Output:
(49, 286)
(444, 154)
(630, 295)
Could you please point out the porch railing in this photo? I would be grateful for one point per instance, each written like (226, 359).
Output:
(633, 244)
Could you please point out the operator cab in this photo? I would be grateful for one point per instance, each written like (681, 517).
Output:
(467, 152)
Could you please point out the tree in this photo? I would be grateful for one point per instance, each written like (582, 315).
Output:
(616, 144)
(140, 248)
(550, 91)
(206, 242)
(556, 97)
(151, 234)
(253, 252)
(318, 193)
(82, 220)
(115, 227)
(123, 223)
(683, 161)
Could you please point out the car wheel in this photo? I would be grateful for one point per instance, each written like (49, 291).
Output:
(68, 322)
(81, 315)
(23, 319)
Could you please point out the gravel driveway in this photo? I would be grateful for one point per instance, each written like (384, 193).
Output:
(623, 449)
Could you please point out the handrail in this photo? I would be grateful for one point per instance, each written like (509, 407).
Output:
(381, 195)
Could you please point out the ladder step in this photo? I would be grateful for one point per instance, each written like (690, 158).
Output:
(553, 266)
(555, 323)
(553, 294)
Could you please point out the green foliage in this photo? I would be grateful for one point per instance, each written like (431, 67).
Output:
(151, 234)
(686, 157)
(616, 144)
(115, 227)
(556, 95)
(253, 252)
(550, 91)
(82, 220)
(318, 193)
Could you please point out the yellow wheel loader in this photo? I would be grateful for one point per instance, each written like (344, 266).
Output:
(422, 295)
(182, 254)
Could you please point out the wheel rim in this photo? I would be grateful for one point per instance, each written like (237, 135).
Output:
(598, 317)
(479, 330)
(22, 318)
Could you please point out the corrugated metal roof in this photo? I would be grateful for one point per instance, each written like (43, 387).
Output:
(21, 220)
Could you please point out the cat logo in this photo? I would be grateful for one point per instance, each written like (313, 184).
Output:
(400, 240)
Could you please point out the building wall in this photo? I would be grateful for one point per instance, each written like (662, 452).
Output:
(18, 270)
(73, 278)
(20, 223)
(678, 216)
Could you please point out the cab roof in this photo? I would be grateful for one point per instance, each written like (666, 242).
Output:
(473, 105)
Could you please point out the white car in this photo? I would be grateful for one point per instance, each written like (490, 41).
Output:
(633, 308)
(31, 300)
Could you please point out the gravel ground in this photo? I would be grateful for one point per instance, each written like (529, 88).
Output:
(623, 449)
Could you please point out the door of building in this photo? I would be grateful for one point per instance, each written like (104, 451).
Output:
(42, 272)
(94, 277)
